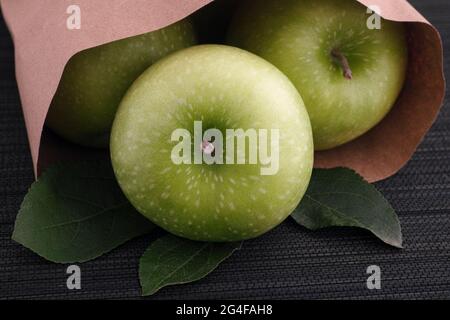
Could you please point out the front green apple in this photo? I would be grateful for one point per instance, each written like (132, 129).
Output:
(348, 75)
(213, 143)
(95, 80)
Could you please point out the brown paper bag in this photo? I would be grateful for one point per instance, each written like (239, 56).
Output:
(44, 44)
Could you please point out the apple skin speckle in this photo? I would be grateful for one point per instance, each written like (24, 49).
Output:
(95, 80)
(298, 37)
(243, 203)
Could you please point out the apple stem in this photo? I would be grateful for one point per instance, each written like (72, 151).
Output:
(342, 60)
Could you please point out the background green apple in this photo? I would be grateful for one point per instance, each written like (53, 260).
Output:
(211, 22)
(225, 88)
(312, 41)
(95, 80)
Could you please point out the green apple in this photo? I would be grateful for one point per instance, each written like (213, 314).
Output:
(213, 143)
(348, 74)
(211, 22)
(95, 80)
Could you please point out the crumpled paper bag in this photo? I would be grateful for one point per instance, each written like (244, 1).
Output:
(44, 43)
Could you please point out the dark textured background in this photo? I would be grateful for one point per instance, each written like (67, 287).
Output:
(287, 263)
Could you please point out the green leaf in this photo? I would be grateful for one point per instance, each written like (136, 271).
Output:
(171, 260)
(77, 212)
(341, 197)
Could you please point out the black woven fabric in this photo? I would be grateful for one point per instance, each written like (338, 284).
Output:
(288, 263)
